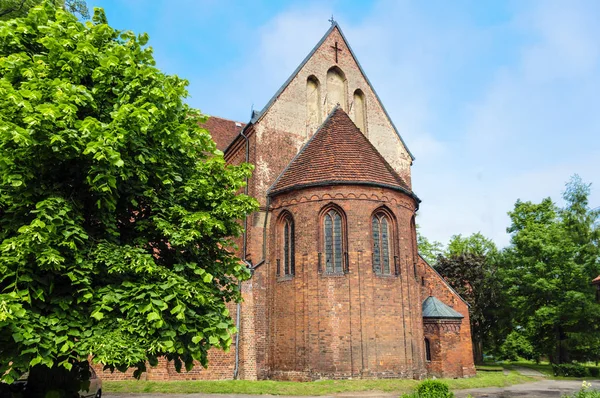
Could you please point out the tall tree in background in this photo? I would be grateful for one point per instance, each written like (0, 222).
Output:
(429, 250)
(469, 266)
(553, 256)
(117, 212)
(19, 8)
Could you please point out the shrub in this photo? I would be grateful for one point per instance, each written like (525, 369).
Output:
(570, 370)
(431, 389)
(594, 371)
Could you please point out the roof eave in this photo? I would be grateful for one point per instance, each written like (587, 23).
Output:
(338, 183)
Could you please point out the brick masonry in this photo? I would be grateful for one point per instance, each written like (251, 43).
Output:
(314, 325)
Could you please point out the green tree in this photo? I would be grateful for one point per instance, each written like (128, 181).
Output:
(117, 212)
(19, 8)
(429, 250)
(474, 276)
(475, 244)
(553, 256)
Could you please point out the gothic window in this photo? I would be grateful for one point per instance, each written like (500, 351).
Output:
(286, 264)
(427, 350)
(381, 227)
(313, 101)
(333, 241)
(360, 111)
(336, 88)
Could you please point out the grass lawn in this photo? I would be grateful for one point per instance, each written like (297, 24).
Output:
(546, 369)
(325, 387)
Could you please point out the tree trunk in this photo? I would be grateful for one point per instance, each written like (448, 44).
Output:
(477, 350)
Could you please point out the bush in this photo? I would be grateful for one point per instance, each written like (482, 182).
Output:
(594, 371)
(570, 370)
(431, 389)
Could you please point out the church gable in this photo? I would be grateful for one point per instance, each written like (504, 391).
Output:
(328, 76)
(338, 153)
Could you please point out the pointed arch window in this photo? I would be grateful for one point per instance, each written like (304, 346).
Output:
(333, 241)
(286, 264)
(383, 247)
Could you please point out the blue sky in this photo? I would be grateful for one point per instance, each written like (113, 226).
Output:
(497, 100)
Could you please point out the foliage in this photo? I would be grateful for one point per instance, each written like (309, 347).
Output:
(431, 389)
(570, 370)
(516, 346)
(19, 8)
(429, 250)
(553, 256)
(116, 210)
(470, 268)
(475, 244)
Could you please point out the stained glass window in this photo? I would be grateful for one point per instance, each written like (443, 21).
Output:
(381, 244)
(334, 246)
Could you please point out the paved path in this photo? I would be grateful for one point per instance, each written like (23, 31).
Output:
(539, 389)
(528, 371)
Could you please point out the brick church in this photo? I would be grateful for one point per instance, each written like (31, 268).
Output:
(338, 287)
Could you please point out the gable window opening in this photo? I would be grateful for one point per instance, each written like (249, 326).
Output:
(286, 265)
(382, 259)
(333, 242)
(427, 350)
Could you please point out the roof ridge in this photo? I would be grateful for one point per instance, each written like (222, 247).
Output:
(224, 118)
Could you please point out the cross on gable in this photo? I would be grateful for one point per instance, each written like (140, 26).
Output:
(336, 51)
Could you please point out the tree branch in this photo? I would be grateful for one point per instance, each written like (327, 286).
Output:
(8, 11)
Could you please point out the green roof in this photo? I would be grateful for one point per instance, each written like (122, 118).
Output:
(434, 308)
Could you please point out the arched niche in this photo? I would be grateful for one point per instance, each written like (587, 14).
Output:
(336, 89)
(360, 111)
(313, 101)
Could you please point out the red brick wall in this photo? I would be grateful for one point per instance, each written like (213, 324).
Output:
(452, 350)
(357, 324)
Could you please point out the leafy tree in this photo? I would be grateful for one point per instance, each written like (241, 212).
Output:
(476, 244)
(117, 212)
(554, 254)
(475, 278)
(429, 250)
(19, 8)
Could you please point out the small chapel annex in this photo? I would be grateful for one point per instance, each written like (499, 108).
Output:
(338, 287)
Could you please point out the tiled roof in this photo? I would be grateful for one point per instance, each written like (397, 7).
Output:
(338, 153)
(596, 281)
(223, 131)
(434, 308)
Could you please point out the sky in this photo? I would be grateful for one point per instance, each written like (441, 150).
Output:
(497, 100)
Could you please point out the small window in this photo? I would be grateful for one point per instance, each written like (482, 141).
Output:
(333, 242)
(427, 350)
(382, 243)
